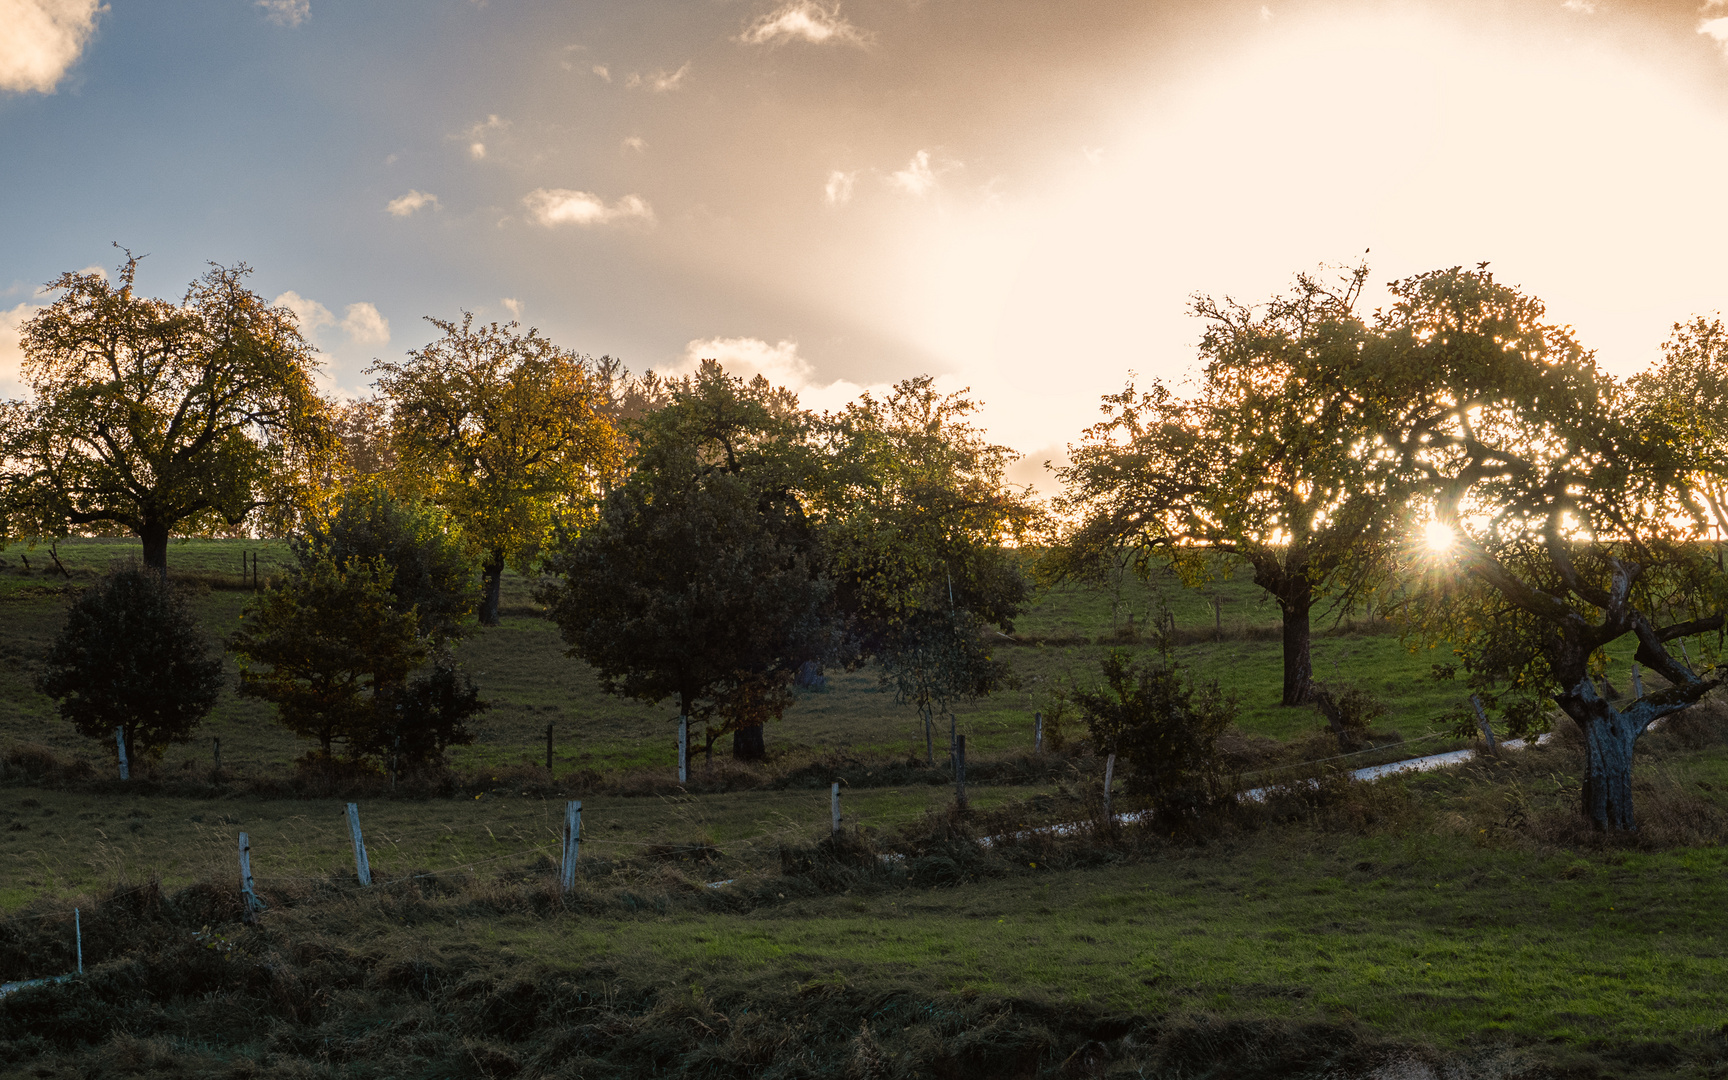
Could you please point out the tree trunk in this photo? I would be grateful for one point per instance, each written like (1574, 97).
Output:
(492, 574)
(929, 738)
(748, 744)
(1298, 652)
(1608, 740)
(155, 537)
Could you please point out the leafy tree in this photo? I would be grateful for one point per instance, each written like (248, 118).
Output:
(430, 714)
(506, 431)
(1271, 464)
(1578, 508)
(431, 570)
(1164, 727)
(701, 578)
(131, 656)
(328, 646)
(160, 417)
(916, 513)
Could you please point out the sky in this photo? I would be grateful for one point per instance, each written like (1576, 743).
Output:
(1016, 196)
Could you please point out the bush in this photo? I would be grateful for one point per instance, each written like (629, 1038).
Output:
(1165, 727)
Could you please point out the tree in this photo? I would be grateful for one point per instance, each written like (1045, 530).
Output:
(431, 714)
(1577, 510)
(702, 577)
(131, 656)
(917, 513)
(328, 646)
(431, 570)
(160, 417)
(506, 431)
(1271, 464)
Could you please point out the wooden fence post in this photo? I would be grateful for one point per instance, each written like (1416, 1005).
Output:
(683, 749)
(120, 745)
(1637, 683)
(1482, 722)
(78, 933)
(572, 846)
(1037, 733)
(549, 746)
(834, 798)
(362, 867)
(216, 755)
(1109, 782)
(960, 771)
(254, 903)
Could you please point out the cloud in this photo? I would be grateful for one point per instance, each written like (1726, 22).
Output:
(477, 150)
(838, 190)
(404, 205)
(780, 364)
(1713, 23)
(42, 39)
(603, 71)
(513, 305)
(561, 206)
(311, 313)
(636, 143)
(1094, 154)
(804, 20)
(286, 12)
(365, 326)
(1579, 7)
(660, 82)
(917, 178)
(11, 350)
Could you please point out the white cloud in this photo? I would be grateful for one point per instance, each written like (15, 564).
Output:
(660, 82)
(562, 206)
(404, 205)
(286, 12)
(513, 305)
(603, 71)
(41, 39)
(1579, 7)
(636, 143)
(1717, 28)
(311, 313)
(838, 190)
(780, 364)
(1094, 154)
(918, 177)
(477, 150)
(365, 326)
(1265, 13)
(11, 350)
(804, 20)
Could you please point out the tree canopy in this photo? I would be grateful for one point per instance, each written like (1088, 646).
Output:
(161, 417)
(1271, 463)
(506, 431)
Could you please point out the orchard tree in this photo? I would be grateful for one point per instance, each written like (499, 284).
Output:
(1272, 463)
(507, 432)
(131, 656)
(917, 514)
(160, 417)
(702, 578)
(1578, 511)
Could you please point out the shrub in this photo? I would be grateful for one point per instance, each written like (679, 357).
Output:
(1164, 726)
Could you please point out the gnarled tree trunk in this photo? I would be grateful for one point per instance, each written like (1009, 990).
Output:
(1298, 651)
(154, 534)
(492, 577)
(1609, 736)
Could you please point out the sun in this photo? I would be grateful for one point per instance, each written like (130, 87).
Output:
(1438, 537)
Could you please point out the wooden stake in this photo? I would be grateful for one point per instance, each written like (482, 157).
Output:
(1037, 733)
(1637, 683)
(834, 799)
(120, 745)
(362, 868)
(78, 932)
(254, 903)
(572, 846)
(549, 746)
(960, 771)
(1109, 782)
(1482, 722)
(216, 754)
(683, 749)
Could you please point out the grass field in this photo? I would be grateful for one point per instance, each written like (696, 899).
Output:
(1457, 921)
